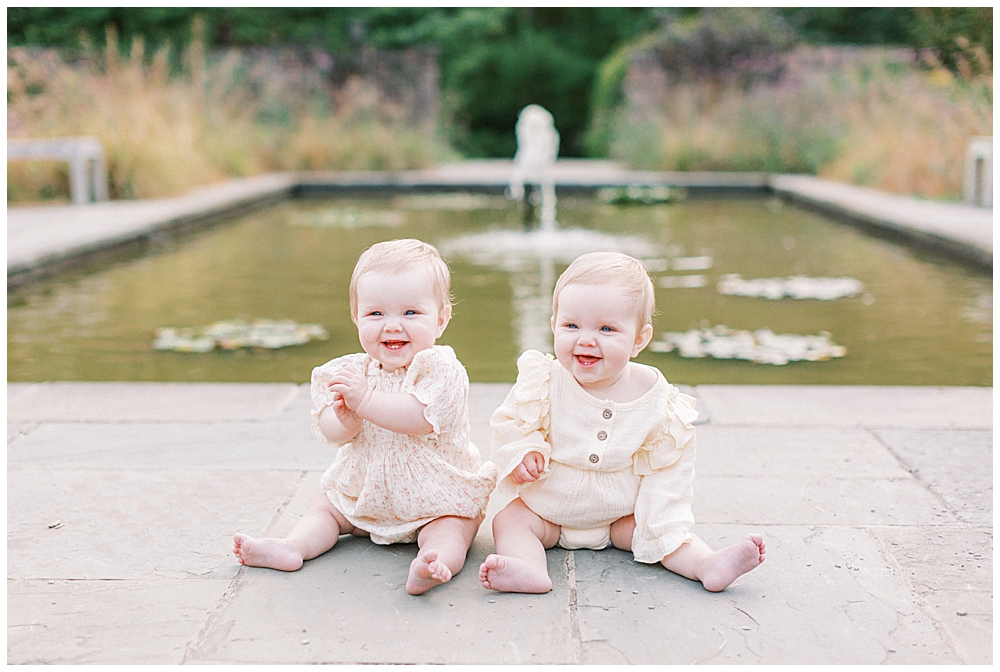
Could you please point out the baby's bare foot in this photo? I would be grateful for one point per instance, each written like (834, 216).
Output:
(513, 575)
(270, 553)
(731, 562)
(426, 571)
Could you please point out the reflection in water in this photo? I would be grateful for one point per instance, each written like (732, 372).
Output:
(981, 310)
(530, 259)
(533, 305)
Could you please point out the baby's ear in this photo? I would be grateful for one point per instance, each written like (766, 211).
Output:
(444, 317)
(642, 339)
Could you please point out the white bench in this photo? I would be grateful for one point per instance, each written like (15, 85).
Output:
(88, 170)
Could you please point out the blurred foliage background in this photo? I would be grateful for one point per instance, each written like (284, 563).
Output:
(880, 96)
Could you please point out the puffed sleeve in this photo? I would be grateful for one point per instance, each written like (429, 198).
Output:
(439, 381)
(521, 424)
(321, 395)
(665, 463)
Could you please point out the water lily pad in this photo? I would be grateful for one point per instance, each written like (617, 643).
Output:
(795, 287)
(762, 346)
(233, 334)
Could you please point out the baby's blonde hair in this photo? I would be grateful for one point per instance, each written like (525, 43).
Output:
(400, 255)
(611, 268)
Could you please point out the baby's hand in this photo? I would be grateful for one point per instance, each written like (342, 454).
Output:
(530, 468)
(349, 385)
(348, 418)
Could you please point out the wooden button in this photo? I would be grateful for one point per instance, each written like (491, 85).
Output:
(607, 414)
(594, 458)
(601, 435)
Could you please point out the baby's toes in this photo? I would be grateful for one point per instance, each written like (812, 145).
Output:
(440, 571)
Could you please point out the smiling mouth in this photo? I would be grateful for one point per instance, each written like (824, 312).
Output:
(587, 360)
(394, 345)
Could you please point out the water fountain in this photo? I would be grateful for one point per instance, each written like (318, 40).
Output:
(530, 257)
(537, 149)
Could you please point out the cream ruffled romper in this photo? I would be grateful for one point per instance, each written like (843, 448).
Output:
(392, 484)
(603, 460)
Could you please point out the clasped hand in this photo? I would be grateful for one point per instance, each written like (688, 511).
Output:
(350, 391)
(530, 469)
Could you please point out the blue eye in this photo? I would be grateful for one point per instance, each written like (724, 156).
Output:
(376, 313)
(570, 325)
(410, 312)
(606, 329)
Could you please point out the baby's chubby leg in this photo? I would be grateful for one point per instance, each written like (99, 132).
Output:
(716, 570)
(444, 544)
(313, 535)
(519, 565)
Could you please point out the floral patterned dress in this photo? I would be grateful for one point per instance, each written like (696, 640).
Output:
(392, 484)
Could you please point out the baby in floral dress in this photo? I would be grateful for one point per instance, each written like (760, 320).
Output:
(405, 468)
(597, 450)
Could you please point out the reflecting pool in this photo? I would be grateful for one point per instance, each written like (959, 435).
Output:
(906, 319)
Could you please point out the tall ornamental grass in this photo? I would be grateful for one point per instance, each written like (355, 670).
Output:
(890, 120)
(167, 128)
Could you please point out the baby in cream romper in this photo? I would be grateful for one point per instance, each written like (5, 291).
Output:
(595, 450)
(606, 460)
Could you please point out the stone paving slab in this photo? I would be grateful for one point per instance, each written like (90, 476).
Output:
(100, 622)
(950, 573)
(149, 402)
(221, 445)
(16, 429)
(878, 523)
(967, 491)
(803, 501)
(850, 406)
(804, 605)
(803, 453)
(128, 524)
(358, 585)
(350, 606)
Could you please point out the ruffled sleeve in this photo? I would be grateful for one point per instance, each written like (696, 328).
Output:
(665, 463)
(439, 381)
(521, 424)
(321, 395)
(671, 438)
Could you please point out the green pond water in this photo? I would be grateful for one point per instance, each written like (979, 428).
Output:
(917, 321)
